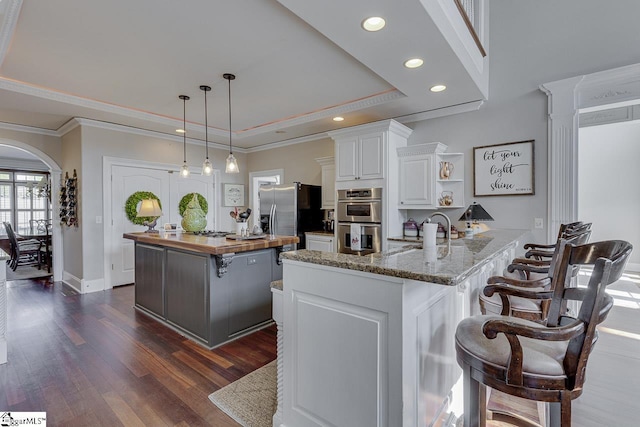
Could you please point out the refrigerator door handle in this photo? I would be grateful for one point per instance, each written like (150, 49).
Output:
(275, 219)
(271, 219)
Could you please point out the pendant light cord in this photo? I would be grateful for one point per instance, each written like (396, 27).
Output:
(184, 128)
(206, 126)
(230, 147)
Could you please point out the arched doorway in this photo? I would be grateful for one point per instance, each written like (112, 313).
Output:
(56, 172)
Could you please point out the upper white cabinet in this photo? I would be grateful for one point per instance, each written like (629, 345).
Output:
(367, 157)
(360, 157)
(328, 182)
(430, 178)
(417, 186)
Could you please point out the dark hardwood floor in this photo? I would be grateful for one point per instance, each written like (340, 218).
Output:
(93, 360)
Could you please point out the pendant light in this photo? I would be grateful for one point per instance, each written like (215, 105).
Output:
(184, 171)
(232, 163)
(206, 165)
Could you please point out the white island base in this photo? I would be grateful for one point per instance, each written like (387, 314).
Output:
(364, 349)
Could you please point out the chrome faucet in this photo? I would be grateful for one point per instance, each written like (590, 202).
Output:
(448, 233)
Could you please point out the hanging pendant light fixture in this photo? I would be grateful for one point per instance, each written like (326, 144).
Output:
(206, 165)
(232, 163)
(184, 170)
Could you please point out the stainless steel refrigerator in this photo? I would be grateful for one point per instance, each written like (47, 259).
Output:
(291, 209)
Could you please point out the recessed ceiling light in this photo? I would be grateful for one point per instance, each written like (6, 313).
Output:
(338, 119)
(180, 131)
(375, 23)
(438, 88)
(413, 63)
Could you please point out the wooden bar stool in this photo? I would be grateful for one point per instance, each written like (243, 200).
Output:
(539, 362)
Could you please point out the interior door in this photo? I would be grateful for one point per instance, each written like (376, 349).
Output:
(126, 180)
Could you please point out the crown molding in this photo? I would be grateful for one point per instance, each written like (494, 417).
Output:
(418, 149)
(8, 25)
(441, 112)
(52, 95)
(293, 141)
(75, 122)
(28, 129)
(356, 105)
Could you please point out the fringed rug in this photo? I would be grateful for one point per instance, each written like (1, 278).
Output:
(251, 400)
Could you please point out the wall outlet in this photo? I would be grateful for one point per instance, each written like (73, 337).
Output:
(98, 220)
(538, 223)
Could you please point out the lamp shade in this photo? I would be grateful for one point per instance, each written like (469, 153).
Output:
(149, 207)
(475, 212)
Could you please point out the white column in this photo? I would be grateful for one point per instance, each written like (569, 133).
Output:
(3, 308)
(562, 159)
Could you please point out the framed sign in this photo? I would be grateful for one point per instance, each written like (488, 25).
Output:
(504, 169)
(233, 194)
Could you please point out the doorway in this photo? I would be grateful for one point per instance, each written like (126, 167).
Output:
(256, 179)
(608, 174)
(18, 155)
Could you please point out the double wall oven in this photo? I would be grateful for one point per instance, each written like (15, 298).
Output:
(361, 208)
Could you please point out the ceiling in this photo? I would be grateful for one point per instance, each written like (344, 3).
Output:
(297, 63)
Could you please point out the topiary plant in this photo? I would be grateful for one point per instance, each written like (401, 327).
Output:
(131, 206)
(187, 198)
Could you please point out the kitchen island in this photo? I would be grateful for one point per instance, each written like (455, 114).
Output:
(369, 340)
(210, 289)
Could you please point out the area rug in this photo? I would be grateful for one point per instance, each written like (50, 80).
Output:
(26, 272)
(251, 400)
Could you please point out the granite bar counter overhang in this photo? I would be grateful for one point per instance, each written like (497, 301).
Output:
(445, 266)
(210, 245)
(372, 338)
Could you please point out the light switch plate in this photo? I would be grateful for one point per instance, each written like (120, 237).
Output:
(538, 222)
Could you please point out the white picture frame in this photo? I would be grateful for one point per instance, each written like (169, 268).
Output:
(504, 169)
(233, 194)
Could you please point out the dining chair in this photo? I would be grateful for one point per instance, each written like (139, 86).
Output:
(23, 252)
(541, 362)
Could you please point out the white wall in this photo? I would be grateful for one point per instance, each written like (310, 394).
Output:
(533, 43)
(609, 175)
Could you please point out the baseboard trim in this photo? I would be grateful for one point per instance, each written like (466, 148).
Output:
(89, 286)
(72, 281)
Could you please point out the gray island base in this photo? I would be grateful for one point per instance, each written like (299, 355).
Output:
(211, 290)
(369, 341)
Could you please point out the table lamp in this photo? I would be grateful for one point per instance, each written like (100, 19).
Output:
(472, 216)
(150, 208)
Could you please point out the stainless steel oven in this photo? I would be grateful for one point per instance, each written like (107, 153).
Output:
(361, 208)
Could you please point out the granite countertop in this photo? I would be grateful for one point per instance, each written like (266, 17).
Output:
(442, 266)
(210, 245)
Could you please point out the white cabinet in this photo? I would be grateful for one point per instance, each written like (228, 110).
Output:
(420, 184)
(320, 242)
(328, 182)
(366, 157)
(417, 186)
(360, 157)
